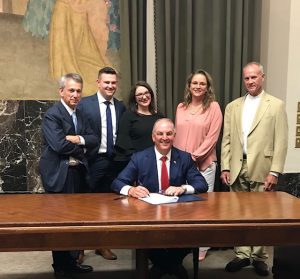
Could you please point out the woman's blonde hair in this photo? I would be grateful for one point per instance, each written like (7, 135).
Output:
(209, 95)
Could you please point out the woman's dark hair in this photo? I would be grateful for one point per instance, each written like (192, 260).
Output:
(132, 105)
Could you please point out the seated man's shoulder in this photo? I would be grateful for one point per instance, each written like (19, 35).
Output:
(144, 153)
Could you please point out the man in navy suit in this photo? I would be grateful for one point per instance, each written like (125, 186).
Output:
(95, 109)
(145, 170)
(63, 165)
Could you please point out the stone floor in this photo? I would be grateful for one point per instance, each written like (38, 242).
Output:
(37, 265)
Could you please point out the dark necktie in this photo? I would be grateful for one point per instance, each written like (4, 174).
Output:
(164, 178)
(110, 141)
(74, 118)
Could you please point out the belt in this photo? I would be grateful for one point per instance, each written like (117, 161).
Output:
(76, 166)
(244, 156)
(73, 162)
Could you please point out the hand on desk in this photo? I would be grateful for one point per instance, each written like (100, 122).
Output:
(174, 191)
(142, 192)
(138, 192)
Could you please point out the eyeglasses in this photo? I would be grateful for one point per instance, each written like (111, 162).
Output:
(140, 95)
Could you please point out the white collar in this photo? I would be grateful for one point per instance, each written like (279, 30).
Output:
(159, 155)
(70, 110)
(101, 99)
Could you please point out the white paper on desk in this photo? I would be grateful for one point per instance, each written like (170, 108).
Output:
(155, 198)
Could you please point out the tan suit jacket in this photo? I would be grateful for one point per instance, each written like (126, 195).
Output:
(267, 139)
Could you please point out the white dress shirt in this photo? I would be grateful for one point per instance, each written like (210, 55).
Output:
(249, 111)
(102, 107)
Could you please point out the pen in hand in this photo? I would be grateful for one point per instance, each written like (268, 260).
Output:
(141, 184)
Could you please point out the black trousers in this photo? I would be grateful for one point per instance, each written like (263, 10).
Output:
(168, 258)
(75, 183)
(102, 174)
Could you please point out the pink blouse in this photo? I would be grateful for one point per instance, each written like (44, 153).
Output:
(198, 133)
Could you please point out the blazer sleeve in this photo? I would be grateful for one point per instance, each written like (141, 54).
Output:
(91, 140)
(55, 136)
(127, 176)
(225, 146)
(280, 140)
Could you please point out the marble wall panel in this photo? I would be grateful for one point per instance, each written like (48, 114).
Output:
(12, 157)
(20, 145)
(290, 183)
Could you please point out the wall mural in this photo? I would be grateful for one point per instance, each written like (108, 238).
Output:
(43, 40)
(56, 37)
(81, 33)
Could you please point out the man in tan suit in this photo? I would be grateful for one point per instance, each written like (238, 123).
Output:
(253, 153)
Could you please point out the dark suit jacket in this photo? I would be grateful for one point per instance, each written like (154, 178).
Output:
(142, 169)
(57, 123)
(89, 106)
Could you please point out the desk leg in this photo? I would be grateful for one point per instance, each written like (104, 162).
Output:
(141, 261)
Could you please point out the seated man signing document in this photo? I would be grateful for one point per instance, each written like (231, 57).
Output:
(162, 168)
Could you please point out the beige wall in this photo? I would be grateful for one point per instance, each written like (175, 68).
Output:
(17, 7)
(23, 63)
(280, 56)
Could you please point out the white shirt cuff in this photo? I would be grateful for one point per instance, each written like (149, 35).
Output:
(274, 173)
(189, 189)
(124, 191)
(82, 141)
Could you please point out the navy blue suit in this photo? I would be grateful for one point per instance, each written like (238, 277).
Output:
(90, 109)
(142, 169)
(101, 166)
(57, 176)
(57, 123)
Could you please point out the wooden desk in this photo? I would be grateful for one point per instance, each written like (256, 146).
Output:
(85, 221)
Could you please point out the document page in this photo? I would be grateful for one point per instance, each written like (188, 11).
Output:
(155, 198)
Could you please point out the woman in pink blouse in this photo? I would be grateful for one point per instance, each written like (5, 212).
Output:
(198, 125)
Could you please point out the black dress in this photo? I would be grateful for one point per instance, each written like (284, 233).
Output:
(134, 134)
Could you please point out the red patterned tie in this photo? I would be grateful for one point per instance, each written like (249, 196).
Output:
(164, 178)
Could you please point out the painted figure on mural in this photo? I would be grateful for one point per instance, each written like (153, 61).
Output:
(113, 22)
(37, 17)
(80, 33)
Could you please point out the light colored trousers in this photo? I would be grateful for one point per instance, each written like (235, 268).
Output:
(243, 184)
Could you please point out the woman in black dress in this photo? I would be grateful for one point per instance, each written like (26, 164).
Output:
(135, 127)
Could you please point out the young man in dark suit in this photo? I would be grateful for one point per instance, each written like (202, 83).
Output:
(162, 168)
(63, 165)
(103, 112)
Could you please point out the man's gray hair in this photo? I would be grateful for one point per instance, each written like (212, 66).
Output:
(261, 67)
(73, 76)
